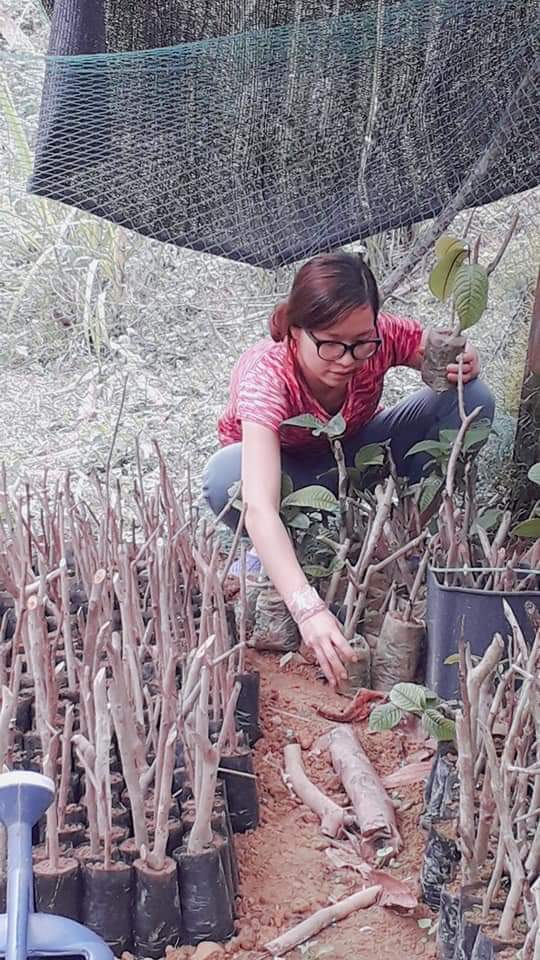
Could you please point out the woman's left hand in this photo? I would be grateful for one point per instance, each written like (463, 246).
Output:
(471, 365)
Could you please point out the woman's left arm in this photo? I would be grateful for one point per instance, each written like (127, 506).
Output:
(471, 361)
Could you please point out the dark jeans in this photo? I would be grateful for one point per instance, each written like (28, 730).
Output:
(420, 417)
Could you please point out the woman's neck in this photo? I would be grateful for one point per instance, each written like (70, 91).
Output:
(330, 398)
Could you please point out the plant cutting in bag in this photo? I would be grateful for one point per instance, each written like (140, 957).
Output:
(398, 651)
(457, 275)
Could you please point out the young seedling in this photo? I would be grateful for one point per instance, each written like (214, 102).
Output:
(457, 275)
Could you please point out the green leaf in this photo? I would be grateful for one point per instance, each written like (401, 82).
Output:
(435, 447)
(371, 455)
(316, 571)
(470, 293)
(431, 487)
(448, 436)
(335, 565)
(451, 660)
(529, 528)
(534, 473)
(446, 243)
(408, 696)
(287, 486)
(300, 522)
(305, 420)
(476, 436)
(488, 519)
(313, 497)
(437, 725)
(336, 426)
(385, 716)
(443, 276)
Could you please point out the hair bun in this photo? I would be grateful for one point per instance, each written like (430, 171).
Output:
(279, 322)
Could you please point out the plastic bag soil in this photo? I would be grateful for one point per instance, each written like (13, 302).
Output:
(274, 627)
(107, 903)
(176, 834)
(440, 861)
(220, 826)
(466, 937)
(252, 592)
(448, 924)
(58, 889)
(157, 917)
(129, 851)
(442, 348)
(241, 785)
(248, 704)
(468, 927)
(398, 652)
(358, 673)
(441, 804)
(121, 816)
(207, 910)
(72, 835)
(484, 948)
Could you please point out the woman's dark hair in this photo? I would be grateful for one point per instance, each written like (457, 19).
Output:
(325, 289)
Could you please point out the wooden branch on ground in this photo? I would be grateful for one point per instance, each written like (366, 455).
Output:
(333, 818)
(313, 925)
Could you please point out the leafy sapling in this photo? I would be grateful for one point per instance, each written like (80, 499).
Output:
(412, 699)
(457, 276)
(531, 528)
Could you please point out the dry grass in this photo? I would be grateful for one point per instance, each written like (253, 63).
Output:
(85, 304)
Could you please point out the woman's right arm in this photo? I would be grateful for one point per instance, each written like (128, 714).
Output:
(261, 491)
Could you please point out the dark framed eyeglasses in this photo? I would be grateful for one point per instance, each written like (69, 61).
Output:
(335, 350)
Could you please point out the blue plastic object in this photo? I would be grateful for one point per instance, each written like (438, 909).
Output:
(24, 798)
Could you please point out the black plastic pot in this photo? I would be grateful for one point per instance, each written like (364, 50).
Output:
(441, 793)
(23, 715)
(484, 948)
(107, 903)
(479, 613)
(207, 909)
(221, 826)
(58, 890)
(121, 816)
(157, 918)
(448, 924)
(176, 834)
(467, 928)
(248, 706)
(76, 813)
(72, 835)
(439, 865)
(129, 851)
(243, 801)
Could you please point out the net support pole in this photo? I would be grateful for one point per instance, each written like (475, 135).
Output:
(527, 443)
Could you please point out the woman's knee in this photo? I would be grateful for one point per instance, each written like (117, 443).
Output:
(476, 393)
(222, 471)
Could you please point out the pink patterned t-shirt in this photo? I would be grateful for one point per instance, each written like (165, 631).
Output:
(267, 387)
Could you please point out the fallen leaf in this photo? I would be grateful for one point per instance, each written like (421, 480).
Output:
(395, 893)
(410, 773)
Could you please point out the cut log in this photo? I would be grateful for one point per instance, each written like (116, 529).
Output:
(374, 810)
(333, 818)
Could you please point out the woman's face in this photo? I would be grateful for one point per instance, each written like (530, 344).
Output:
(356, 326)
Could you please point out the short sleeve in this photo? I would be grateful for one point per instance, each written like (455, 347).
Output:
(262, 396)
(401, 338)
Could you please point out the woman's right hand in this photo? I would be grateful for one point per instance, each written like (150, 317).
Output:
(322, 634)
